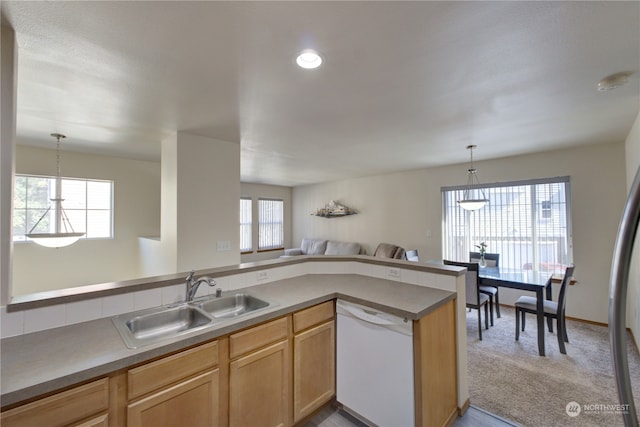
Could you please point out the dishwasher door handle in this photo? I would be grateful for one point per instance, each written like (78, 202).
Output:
(369, 316)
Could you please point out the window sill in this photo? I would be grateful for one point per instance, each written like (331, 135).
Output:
(271, 250)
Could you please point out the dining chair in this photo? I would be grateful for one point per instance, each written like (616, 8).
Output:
(552, 310)
(474, 298)
(412, 255)
(492, 260)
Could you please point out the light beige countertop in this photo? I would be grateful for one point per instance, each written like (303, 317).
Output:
(41, 362)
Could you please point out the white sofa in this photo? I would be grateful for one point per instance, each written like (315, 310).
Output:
(324, 247)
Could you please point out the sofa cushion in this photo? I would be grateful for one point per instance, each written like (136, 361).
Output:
(313, 246)
(342, 248)
(292, 252)
(388, 250)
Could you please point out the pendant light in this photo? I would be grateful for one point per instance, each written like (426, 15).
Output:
(468, 201)
(63, 233)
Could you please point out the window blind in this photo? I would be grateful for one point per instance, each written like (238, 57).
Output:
(246, 244)
(526, 222)
(270, 224)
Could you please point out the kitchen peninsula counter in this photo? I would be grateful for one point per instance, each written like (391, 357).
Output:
(42, 362)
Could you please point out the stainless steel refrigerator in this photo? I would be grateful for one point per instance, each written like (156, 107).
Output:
(620, 266)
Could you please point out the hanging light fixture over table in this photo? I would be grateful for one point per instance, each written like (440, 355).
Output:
(473, 198)
(63, 233)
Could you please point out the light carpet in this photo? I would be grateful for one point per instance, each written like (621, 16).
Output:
(509, 378)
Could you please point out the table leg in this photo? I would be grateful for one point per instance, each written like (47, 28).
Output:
(549, 293)
(540, 318)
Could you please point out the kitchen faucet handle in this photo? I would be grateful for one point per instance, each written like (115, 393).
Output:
(190, 276)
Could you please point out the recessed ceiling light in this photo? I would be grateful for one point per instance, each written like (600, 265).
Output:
(613, 81)
(309, 59)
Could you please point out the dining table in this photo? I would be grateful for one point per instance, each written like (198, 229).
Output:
(525, 280)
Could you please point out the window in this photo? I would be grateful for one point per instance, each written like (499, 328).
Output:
(526, 222)
(245, 225)
(270, 224)
(87, 203)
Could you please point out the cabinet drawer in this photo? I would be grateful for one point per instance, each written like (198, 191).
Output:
(258, 336)
(154, 375)
(61, 409)
(311, 316)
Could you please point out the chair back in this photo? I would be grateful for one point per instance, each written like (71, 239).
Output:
(562, 296)
(472, 280)
(412, 255)
(492, 260)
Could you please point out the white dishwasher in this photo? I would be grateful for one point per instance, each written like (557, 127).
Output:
(375, 365)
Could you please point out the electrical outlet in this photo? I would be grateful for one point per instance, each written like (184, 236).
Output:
(394, 272)
(223, 245)
(262, 275)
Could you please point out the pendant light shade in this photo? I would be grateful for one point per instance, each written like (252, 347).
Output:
(63, 233)
(55, 240)
(473, 197)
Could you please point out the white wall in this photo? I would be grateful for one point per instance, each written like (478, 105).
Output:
(137, 213)
(8, 72)
(405, 208)
(208, 207)
(158, 254)
(255, 191)
(632, 147)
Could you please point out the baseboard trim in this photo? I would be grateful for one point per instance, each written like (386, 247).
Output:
(591, 322)
(464, 407)
(453, 416)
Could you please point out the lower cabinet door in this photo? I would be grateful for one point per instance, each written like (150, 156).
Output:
(98, 421)
(259, 388)
(314, 369)
(70, 407)
(193, 402)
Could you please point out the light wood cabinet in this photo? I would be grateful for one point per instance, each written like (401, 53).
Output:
(182, 389)
(259, 376)
(192, 402)
(434, 347)
(98, 421)
(312, 316)
(152, 376)
(66, 408)
(314, 369)
(274, 374)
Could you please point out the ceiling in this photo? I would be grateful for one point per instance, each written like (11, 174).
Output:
(404, 85)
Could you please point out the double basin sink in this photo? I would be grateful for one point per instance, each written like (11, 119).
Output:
(158, 324)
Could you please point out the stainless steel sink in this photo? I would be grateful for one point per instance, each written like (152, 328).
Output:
(158, 324)
(232, 306)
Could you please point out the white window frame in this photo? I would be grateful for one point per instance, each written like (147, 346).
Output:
(517, 224)
(270, 225)
(82, 226)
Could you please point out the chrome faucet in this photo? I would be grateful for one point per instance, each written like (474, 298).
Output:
(192, 285)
